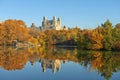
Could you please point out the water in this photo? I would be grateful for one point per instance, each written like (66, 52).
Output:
(58, 64)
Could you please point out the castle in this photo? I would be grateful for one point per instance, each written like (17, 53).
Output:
(54, 24)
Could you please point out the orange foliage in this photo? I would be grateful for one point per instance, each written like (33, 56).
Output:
(95, 39)
(13, 30)
(97, 63)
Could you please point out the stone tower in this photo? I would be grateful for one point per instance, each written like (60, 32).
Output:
(54, 21)
(59, 24)
(54, 24)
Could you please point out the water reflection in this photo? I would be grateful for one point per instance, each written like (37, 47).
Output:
(51, 64)
(105, 63)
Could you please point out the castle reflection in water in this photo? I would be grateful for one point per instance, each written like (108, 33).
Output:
(55, 65)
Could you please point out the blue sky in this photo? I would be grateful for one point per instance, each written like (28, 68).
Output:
(83, 13)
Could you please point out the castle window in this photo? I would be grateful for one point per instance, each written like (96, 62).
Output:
(51, 23)
(51, 27)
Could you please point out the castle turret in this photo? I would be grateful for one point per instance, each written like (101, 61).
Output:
(59, 22)
(33, 25)
(54, 18)
(44, 21)
(44, 18)
(54, 21)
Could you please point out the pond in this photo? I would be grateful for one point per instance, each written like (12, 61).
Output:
(56, 63)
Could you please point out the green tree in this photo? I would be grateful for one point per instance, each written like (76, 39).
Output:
(107, 32)
(81, 40)
(116, 38)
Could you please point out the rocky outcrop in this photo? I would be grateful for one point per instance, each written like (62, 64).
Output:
(22, 44)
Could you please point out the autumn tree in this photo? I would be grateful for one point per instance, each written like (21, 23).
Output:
(2, 34)
(93, 40)
(42, 38)
(34, 31)
(13, 30)
(33, 41)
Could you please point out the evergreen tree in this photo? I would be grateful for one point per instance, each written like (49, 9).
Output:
(107, 32)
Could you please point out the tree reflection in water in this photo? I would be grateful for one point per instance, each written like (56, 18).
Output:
(105, 63)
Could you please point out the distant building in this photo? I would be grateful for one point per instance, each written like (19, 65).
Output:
(33, 25)
(54, 24)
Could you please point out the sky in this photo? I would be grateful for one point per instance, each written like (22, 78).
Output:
(83, 13)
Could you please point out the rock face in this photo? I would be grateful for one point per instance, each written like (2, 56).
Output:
(17, 44)
(54, 24)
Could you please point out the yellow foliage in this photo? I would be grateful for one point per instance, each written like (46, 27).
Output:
(33, 40)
